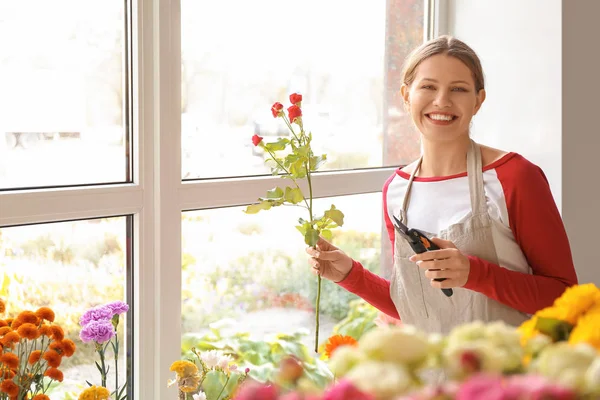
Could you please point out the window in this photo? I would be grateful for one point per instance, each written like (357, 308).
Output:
(97, 183)
(69, 267)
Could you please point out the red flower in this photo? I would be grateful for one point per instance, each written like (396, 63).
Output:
(276, 109)
(294, 112)
(256, 140)
(295, 98)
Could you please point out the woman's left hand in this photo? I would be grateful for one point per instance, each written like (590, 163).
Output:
(447, 263)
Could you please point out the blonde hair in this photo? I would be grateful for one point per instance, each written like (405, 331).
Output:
(444, 45)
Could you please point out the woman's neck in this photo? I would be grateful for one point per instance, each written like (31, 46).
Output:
(444, 158)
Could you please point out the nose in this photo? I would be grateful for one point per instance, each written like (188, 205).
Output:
(442, 99)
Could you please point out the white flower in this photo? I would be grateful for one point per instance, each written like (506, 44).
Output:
(211, 358)
(199, 396)
(224, 360)
(397, 344)
(383, 379)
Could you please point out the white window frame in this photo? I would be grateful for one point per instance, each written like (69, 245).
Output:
(158, 196)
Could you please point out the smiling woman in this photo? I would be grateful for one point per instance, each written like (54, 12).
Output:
(499, 232)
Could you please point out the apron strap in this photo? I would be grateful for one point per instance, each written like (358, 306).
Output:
(475, 176)
(403, 215)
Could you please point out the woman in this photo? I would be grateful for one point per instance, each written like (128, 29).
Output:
(504, 250)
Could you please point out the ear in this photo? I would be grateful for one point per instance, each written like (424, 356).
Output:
(480, 100)
(404, 90)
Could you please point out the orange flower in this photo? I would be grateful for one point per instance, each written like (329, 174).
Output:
(54, 374)
(7, 374)
(10, 339)
(10, 388)
(11, 360)
(2, 306)
(40, 396)
(4, 330)
(45, 313)
(53, 358)
(45, 330)
(57, 347)
(35, 356)
(336, 341)
(25, 317)
(68, 347)
(57, 332)
(28, 331)
(3, 323)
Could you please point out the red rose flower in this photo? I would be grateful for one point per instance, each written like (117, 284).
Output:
(256, 140)
(276, 109)
(294, 112)
(295, 98)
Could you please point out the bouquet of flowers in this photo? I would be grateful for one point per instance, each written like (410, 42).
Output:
(474, 361)
(211, 375)
(298, 163)
(32, 347)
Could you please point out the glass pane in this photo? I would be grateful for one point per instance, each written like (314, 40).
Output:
(253, 269)
(61, 93)
(70, 267)
(344, 60)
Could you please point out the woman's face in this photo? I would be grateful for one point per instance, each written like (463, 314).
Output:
(442, 98)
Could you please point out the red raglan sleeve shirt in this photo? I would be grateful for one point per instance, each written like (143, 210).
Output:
(538, 229)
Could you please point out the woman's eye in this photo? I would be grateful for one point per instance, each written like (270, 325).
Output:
(427, 87)
(459, 89)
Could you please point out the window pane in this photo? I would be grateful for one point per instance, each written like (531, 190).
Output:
(344, 60)
(70, 267)
(61, 93)
(254, 269)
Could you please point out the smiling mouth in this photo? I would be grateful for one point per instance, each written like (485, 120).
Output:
(441, 118)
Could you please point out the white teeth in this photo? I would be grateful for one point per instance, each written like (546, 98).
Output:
(441, 117)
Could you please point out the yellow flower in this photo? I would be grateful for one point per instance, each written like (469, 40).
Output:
(527, 330)
(567, 314)
(587, 330)
(184, 368)
(95, 393)
(578, 299)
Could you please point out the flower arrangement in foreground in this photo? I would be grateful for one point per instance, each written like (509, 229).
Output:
(474, 361)
(99, 326)
(296, 163)
(32, 347)
(211, 375)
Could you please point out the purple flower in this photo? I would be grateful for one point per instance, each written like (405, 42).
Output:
(98, 331)
(99, 313)
(118, 307)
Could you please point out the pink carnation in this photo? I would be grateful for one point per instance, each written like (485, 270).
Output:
(346, 390)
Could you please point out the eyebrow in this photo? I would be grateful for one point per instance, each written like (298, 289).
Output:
(434, 80)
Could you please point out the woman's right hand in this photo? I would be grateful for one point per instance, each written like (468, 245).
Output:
(329, 261)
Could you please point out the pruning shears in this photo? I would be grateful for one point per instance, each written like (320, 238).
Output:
(420, 243)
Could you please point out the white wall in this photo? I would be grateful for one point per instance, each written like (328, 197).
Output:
(519, 43)
(543, 99)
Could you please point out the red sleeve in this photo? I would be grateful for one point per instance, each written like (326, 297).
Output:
(372, 288)
(538, 229)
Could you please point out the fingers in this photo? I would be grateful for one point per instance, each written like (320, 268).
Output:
(444, 244)
(442, 274)
(434, 255)
(447, 284)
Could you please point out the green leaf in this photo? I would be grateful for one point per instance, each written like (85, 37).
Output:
(303, 151)
(317, 161)
(293, 195)
(327, 235)
(557, 329)
(297, 169)
(335, 215)
(276, 193)
(311, 237)
(255, 208)
(280, 144)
